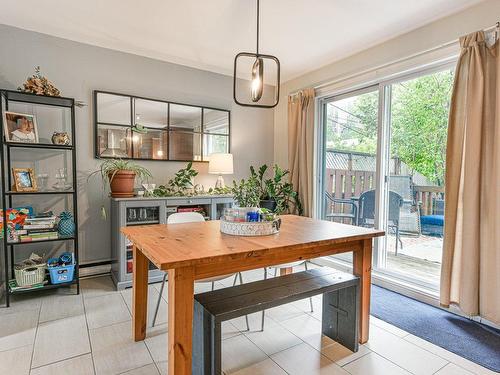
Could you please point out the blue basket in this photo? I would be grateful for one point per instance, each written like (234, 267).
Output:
(61, 274)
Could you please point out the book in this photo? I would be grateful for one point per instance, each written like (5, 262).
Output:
(38, 226)
(39, 230)
(13, 285)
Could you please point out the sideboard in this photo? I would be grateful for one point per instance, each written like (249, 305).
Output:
(146, 211)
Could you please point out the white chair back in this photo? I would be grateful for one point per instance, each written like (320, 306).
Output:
(185, 217)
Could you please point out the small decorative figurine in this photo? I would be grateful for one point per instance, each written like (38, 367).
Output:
(61, 138)
(39, 85)
(66, 226)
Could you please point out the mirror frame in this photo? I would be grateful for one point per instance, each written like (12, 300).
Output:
(132, 99)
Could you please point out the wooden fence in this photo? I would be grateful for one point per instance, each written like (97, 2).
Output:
(345, 184)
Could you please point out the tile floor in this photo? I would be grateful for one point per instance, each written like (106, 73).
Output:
(59, 333)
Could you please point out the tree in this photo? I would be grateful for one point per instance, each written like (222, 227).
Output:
(419, 123)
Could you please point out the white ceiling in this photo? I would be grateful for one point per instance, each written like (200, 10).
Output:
(206, 34)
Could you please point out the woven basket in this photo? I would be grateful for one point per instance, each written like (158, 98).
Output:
(30, 275)
(263, 228)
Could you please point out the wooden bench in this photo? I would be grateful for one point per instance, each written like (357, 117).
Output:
(340, 310)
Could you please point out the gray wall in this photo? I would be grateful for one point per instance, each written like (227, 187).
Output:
(77, 69)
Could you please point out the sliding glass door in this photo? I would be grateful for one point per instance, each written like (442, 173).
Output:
(383, 164)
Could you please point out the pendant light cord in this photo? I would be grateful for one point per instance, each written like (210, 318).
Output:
(258, 12)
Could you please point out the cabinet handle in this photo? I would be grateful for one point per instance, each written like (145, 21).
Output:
(190, 201)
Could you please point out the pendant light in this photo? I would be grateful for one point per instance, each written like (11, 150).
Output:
(257, 82)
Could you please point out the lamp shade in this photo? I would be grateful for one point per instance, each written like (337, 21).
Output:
(221, 164)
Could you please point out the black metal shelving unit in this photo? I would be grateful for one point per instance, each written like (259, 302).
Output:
(7, 97)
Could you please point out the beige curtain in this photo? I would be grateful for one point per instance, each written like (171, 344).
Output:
(301, 144)
(470, 274)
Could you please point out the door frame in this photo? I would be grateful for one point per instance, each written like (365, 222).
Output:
(384, 87)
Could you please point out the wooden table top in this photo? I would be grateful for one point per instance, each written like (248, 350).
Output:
(171, 246)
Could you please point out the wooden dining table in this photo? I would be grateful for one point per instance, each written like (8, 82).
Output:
(194, 251)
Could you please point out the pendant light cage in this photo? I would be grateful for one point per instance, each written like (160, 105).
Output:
(257, 85)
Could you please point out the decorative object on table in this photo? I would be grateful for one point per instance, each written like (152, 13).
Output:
(180, 185)
(42, 180)
(120, 176)
(245, 222)
(66, 225)
(24, 179)
(276, 193)
(149, 189)
(61, 180)
(30, 271)
(257, 74)
(39, 85)
(220, 164)
(20, 127)
(61, 270)
(61, 138)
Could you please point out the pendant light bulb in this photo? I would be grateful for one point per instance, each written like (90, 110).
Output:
(257, 79)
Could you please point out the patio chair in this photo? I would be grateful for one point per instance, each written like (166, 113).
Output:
(409, 220)
(193, 217)
(330, 205)
(366, 213)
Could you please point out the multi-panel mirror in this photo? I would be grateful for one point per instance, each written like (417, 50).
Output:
(130, 127)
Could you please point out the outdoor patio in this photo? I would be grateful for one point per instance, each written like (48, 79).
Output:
(420, 257)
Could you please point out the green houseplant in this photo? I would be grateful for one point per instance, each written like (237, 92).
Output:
(120, 176)
(246, 192)
(276, 193)
(180, 184)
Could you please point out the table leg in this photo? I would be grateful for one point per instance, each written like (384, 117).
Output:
(286, 271)
(362, 264)
(180, 320)
(139, 294)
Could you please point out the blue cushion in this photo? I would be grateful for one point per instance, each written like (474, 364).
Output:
(432, 220)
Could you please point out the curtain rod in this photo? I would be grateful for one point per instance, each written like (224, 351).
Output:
(495, 28)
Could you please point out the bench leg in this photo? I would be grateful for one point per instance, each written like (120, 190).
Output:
(340, 319)
(207, 341)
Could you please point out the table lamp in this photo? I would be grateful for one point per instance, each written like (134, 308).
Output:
(220, 164)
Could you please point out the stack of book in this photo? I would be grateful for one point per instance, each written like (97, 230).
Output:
(39, 227)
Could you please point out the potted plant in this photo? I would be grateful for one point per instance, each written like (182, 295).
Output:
(246, 192)
(120, 175)
(180, 185)
(276, 193)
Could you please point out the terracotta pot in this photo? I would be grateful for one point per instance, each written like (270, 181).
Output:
(122, 184)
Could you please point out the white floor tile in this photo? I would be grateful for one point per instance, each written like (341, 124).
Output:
(163, 367)
(21, 303)
(106, 310)
(60, 339)
(239, 352)
(449, 356)
(388, 327)
(303, 359)
(145, 370)
(18, 329)
(153, 294)
(114, 351)
(16, 361)
(284, 312)
(267, 367)
(373, 364)
(273, 339)
(97, 286)
(453, 369)
(341, 355)
(157, 342)
(308, 329)
(81, 365)
(61, 306)
(228, 330)
(403, 353)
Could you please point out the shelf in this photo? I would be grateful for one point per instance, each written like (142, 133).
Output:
(38, 145)
(39, 192)
(24, 97)
(60, 238)
(46, 286)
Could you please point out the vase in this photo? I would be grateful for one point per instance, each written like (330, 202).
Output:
(66, 226)
(122, 184)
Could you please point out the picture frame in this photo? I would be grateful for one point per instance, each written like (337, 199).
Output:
(20, 127)
(24, 179)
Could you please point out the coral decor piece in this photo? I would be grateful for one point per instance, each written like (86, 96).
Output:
(39, 85)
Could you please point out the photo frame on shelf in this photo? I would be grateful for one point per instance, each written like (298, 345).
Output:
(24, 179)
(20, 127)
